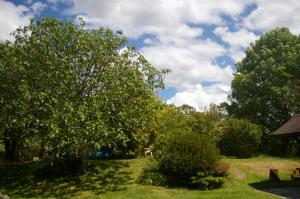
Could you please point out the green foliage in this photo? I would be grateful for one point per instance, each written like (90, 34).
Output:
(186, 109)
(174, 121)
(297, 90)
(263, 86)
(185, 171)
(209, 182)
(207, 123)
(30, 150)
(153, 178)
(169, 122)
(152, 175)
(75, 89)
(184, 145)
(240, 138)
(188, 153)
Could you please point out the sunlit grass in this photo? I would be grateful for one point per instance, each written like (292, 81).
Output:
(117, 179)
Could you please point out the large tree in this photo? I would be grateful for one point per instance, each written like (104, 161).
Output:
(263, 86)
(74, 89)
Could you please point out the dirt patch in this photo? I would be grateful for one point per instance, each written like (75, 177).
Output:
(262, 168)
(238, 174)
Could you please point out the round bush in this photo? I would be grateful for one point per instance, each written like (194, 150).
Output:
(240, 138)
(187, 154)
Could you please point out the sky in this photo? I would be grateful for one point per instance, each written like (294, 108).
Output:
(200, 41)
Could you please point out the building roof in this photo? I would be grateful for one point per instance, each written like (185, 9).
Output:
(290, 128)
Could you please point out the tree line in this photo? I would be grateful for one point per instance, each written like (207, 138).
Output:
(71, 90)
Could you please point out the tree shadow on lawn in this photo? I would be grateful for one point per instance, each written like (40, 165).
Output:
(98, 177)
(286, 188)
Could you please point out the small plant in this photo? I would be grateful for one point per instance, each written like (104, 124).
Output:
(222, 169)
(152, 176)
(208, 182)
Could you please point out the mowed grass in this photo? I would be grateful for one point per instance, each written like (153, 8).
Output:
(118, 179)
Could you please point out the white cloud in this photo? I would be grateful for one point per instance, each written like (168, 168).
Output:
(176, 40)
(38, 7)
(11, 17)
(275, 13)
(237, 41)
(190, 62)
(159, 17)
(241, 38)
(201, 97)
(176, 44)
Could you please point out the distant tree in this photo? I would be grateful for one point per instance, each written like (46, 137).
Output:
(263, 86)
(74, 89)
(186, 109)
(207, 123)
(240, 138)
(169, 122)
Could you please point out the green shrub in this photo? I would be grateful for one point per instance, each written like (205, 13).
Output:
(206, 123)
(153, 178)
(186, 154)
(208, 182)
(151, 175)
(240, 138)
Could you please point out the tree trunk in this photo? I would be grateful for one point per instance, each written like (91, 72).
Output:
(11, 150)
(43, 151)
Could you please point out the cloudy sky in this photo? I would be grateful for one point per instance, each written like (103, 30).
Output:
(199, 40)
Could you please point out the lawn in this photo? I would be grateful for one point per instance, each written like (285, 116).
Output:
(117, 179)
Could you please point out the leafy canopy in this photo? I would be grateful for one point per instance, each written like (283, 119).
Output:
(263, 86)
(74, 88)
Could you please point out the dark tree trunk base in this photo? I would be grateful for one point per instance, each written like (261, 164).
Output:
(11, 150)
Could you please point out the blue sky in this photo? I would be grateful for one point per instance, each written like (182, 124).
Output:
(199, 40)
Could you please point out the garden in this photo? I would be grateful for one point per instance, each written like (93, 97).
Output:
(80, 118)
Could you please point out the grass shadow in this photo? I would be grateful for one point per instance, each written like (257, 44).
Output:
(99, 176)
(285, 188)
(275, 184)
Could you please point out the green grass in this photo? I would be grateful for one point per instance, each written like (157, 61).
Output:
(117, 179)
